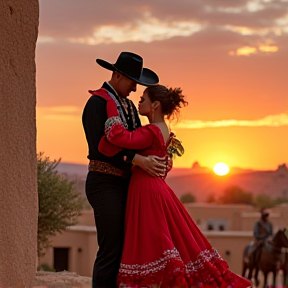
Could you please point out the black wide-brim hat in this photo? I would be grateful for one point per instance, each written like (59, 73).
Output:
(131, 66)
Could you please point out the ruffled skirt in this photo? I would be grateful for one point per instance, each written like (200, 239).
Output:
(163, 246)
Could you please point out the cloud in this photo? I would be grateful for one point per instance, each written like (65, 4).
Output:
(59, 113)
(253, 31)
(45, 39)
(268, 49)
(146, 30)
(99, 21)
(247, 50)
(73, 113)
(268, 121)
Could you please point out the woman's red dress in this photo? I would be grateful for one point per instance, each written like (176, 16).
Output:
(163, 247)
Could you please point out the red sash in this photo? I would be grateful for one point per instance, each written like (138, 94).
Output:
(105, 147)
(111, 107)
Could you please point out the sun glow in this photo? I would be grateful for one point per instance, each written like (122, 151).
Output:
(221, 169)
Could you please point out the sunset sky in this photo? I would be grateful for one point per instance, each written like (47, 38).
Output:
(230, 57)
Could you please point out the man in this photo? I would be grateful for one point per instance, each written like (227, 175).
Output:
(108, 177)
(263, 230)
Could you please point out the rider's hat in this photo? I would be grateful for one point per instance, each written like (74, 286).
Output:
(264, 213)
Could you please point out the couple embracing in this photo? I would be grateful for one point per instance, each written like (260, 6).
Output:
(146, 237)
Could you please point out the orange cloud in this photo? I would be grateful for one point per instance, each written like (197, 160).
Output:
(268, 121)
(248, 50)
(59, 113)
(147, 30)
(268, 49)
(73, 113)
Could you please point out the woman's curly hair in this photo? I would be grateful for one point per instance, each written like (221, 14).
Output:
(171, 99)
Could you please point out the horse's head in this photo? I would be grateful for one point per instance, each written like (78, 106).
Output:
(280, 239)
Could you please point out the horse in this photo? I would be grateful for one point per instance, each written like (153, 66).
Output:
(267, 258)
(247, 262)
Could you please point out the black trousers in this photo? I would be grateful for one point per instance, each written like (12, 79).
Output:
(107, 194)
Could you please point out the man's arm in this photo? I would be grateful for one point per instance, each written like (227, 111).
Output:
(153, 165)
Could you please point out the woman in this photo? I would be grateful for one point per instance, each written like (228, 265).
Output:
(163, 247)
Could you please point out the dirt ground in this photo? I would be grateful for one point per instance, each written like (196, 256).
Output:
(61, 280)
(72, 280)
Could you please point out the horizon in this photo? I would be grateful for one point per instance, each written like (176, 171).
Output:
(200, 167)
(202, 182)
(229, 59)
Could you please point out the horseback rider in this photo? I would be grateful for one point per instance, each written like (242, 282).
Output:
(263, 231)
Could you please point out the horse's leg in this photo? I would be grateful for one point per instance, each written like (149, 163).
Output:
(274, 279)
(250, 271)
(256, 277)
(265, 279)
(245, 261)
(244, 268)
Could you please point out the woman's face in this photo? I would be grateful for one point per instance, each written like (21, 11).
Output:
(145, 105)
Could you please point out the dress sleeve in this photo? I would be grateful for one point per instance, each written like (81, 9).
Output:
(118, 135)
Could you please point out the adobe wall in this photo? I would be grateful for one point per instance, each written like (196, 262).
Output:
(18, 183)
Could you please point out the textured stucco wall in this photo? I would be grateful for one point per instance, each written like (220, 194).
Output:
(18, 183)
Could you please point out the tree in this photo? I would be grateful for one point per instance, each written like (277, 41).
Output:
(187, 198)
(59, 203)
(280, 200)
(263, 201)
(235, 195)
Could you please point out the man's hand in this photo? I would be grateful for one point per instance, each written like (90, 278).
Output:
(153, 165)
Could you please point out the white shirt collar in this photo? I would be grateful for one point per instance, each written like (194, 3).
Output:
(112, 88)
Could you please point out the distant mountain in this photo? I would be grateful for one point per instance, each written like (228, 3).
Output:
(79, 170)
(272, 183)
(202, 181)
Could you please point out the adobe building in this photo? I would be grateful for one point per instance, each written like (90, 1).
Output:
(18, 169)
(229, 228)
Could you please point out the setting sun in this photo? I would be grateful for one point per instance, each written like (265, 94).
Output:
(221, 169)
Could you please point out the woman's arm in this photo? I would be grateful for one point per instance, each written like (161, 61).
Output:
(141, 138)
(116, 134)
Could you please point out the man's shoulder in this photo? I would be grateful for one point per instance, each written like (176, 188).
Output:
(95, 98)
(94, 103)
(98, 92)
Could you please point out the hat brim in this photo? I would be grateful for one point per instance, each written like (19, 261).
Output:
(147, 77)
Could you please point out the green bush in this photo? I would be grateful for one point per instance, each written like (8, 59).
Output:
(59, 203)
(45, 267)
(236, 195)
(187, 198)
(263, 201)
